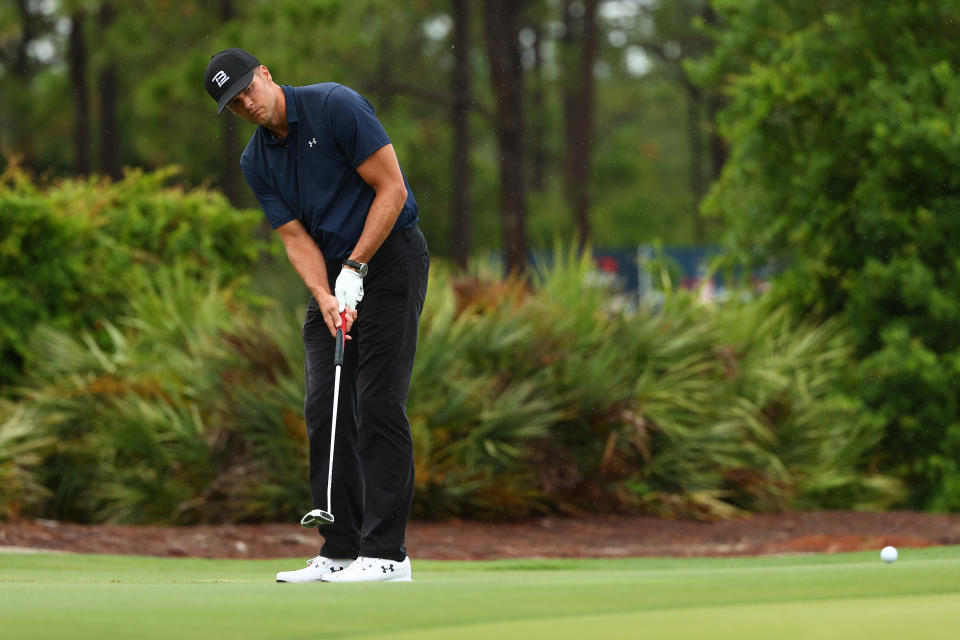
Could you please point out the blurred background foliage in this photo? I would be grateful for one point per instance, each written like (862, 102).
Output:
(93, 86)
(69, 253)
(191, 409)
(844, 124)
(150, 359)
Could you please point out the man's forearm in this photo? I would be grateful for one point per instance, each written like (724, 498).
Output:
(384, 211)
(308, 262)
(382, 172)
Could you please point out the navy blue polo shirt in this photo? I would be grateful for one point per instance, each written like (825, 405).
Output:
(311, 174)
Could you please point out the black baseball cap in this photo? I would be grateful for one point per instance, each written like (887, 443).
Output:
(228, 73)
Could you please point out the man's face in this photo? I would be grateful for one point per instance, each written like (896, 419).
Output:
(255, 103)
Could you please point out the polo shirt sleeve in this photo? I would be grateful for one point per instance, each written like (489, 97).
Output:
(276, 210)
(354, 125)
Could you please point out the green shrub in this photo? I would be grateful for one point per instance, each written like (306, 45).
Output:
(549, 399)
(843, 166)
(70, 250)
(526, 398)
(184, 416)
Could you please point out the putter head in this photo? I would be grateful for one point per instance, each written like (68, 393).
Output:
(316, 518)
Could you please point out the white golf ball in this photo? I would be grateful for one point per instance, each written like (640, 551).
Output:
(888, 554)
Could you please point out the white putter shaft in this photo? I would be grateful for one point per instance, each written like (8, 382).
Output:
(333, 434)
(318, 517)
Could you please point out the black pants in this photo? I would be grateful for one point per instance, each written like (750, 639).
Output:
(373, 455)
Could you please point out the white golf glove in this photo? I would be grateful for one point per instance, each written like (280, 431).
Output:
(348, 289)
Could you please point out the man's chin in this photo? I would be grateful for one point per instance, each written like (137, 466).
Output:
(260, 117)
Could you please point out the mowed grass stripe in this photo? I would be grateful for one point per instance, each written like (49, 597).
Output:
(928, 617)
(87, 596)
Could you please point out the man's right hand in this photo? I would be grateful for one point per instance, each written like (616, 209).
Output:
(331, 314)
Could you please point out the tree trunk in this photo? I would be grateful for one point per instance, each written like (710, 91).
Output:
(386, 69)
(537, 127)
(698, 185)
(579, 106)
(715, 104)
(230, 181)
(109, 82)
(81, 94)
(460, 120)
(18, 90)
(502, 26)
(21, 64)
(718, 146)
(230, 176)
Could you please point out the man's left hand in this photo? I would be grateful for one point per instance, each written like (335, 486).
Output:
(348, 289)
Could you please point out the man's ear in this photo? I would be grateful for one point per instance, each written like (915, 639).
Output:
(265, 74)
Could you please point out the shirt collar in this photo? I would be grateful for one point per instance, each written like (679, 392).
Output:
(292, 116)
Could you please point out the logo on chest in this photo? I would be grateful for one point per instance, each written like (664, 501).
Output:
(311, 142)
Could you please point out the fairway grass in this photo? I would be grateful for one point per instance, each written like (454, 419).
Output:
(850, 595)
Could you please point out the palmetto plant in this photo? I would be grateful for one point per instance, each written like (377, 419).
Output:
(692, 409)
(528, 396)
(749, 411)
(471, 414)
(183, 417)
(22, 452)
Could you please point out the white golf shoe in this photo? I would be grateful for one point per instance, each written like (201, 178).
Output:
(316, 570)
(373, 570)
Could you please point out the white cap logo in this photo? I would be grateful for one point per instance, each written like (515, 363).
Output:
(221, 78)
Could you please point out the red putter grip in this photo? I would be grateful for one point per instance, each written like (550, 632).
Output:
(338, 349)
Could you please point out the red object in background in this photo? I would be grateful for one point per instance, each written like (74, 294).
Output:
(607, 264)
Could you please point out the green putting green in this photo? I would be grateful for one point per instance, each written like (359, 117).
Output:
(851, 595)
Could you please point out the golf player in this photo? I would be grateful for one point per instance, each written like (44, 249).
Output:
(329, 182)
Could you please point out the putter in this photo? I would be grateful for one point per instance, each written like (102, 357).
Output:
(319, 517)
